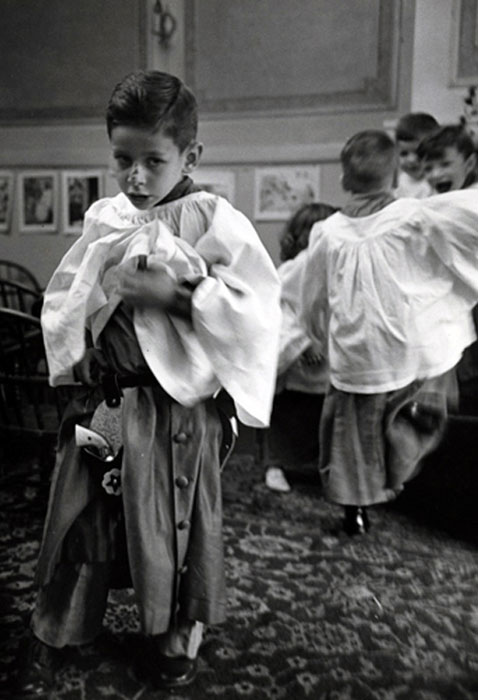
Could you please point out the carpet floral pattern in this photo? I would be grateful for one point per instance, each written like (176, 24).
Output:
(312, 613)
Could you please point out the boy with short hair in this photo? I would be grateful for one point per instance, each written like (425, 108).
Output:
(386, 294)
(448, 159)
(410, 130)
(450, 163)
(167, 302)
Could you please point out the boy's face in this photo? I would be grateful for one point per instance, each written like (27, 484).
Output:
(449, 170)
(408, 160)
(148, 164)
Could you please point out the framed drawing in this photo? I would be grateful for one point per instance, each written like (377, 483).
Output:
(6, 199)
(280, 191)
(221, 182)
(464, 43)
(79, 189)
(38, 201)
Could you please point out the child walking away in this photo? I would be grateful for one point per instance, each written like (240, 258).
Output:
(387, 290)
(303, 376)
(450, 163)
(410, 130)
(167, 311)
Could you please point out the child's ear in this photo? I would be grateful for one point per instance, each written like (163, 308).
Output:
(193, 156)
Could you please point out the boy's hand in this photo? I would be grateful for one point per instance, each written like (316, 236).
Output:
(90, 369)
(154, 286)
(310, 358)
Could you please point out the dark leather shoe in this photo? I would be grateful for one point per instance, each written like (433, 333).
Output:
(356, 520)
(36, 674)
(163, 671)
(174, 672)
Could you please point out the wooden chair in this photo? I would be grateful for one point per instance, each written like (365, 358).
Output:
(18, 273)
(14, 295)
(29, 407)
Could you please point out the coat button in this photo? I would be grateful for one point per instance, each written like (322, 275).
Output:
(181, 482)
(183, 570)
(183, 525)
(180, 438)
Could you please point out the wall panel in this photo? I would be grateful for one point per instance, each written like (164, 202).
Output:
(61, 57)
(280, 55)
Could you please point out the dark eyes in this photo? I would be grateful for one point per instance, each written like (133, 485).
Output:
(126, 162)
(122, 161)
(439, 163)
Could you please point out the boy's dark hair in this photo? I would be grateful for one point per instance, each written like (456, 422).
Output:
(296, 234)
(451, 135)
(414, 126)
(369, 159)
(154, 100)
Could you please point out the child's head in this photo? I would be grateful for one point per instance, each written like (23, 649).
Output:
(410, 130)
(368, 162)
(449, 158)
(296, 234)
(151, 121)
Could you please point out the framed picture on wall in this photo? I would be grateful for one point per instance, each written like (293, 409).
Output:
(79, 189)
(221, 182)
(280, 191)
(6, 199)
(38, 201)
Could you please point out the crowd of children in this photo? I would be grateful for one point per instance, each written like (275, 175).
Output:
(373, 431)
(387, 291)
(170, 315)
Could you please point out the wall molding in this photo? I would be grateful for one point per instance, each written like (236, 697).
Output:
(289, 80)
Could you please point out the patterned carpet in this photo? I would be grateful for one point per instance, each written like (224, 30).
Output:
(312, 613)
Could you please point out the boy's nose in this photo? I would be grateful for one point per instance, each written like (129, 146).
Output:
(434, 172)
(136, 175)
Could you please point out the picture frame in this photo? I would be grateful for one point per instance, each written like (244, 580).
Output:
(464, 44)
(79, 189)
(220, 182)
(38, 201)
(280, 191)
(6, 199)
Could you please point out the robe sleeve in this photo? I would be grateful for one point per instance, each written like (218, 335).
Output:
(293, 338)
(314, 295)
(450, 222)
(63, 321)
(236, 313)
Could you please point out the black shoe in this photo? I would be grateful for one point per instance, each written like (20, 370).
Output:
(36, 674)
(174, 672)
(356, 520)
(163, 671)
